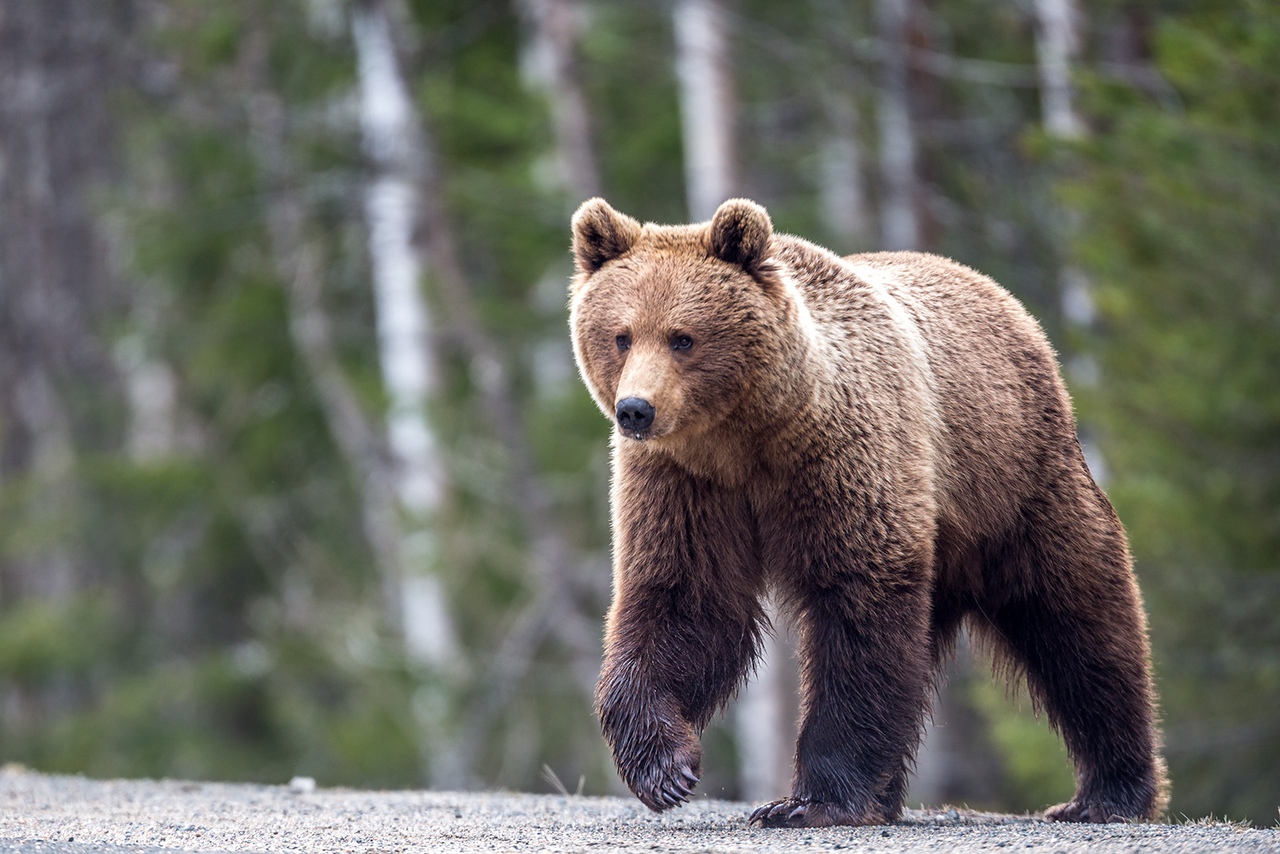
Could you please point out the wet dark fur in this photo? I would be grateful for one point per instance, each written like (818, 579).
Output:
(885, 442)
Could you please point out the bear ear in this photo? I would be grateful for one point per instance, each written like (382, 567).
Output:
(601, 234)
(741, 233)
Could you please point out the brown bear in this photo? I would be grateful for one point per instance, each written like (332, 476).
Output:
(884, 442)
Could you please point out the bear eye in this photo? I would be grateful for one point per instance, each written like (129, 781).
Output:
(623, 342)
(681, 342)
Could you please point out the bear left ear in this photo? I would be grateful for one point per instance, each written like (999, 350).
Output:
(601, 234)
(740, 234)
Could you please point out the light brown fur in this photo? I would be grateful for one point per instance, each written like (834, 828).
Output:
(885, 441)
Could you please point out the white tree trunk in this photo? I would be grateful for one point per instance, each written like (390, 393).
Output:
(706, 104)
(400, 142)
(394, 142)
(900, 229)
(552, 62)
(1057, 49)
(1057, 44)
(765, 718)
(842, 193)
(152, 389)
(899, 224)
(409, 371)
(762, 715)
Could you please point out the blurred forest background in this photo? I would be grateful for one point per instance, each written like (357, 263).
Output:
(296, 474)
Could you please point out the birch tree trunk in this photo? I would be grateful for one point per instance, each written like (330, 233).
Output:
(299, 266)
(396, 485)
(899, 223)
(935, 758)
(842, 193)
(762, 716)
(549, 61)
(60, 392)
(1057, 49)
(706, 105)
(1057, 45)
(554, 65)
(409, 179)
(940, 762)
(409, 371)
(394, 145)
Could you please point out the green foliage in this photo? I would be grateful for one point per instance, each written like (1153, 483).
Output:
(37, 641)
(1179, 200)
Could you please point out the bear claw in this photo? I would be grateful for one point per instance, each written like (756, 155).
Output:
(1095, 812)
(805, 812)
(669, 789)
(780, 813)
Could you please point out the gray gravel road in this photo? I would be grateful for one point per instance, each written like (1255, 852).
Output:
(53, 814)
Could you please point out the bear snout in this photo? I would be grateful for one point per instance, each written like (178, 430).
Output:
(635, 415)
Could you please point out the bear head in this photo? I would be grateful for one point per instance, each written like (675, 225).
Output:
(675, 327)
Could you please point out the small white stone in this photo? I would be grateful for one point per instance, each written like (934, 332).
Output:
(302, 785)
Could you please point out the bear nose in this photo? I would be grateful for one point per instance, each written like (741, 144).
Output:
(634, 414)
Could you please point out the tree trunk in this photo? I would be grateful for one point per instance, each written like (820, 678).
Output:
(409, 372)
(553, 58)
(843, 196)
(394, 145)
(60, 392)
(763, 719)
(899, 223)
(552, 611)
(1057, 50)
(706, 105)
(1057, 45)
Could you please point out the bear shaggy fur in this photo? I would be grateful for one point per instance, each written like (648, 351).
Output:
(885, 443)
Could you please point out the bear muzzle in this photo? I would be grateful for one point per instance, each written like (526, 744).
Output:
(635, 416)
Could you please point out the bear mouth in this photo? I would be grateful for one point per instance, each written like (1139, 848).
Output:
(646, 434)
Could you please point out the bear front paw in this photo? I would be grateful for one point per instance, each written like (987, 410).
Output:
(664, 779)
(655, 748)
(805, 812)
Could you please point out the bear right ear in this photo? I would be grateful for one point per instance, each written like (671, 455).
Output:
(601, 234)
(740, 234)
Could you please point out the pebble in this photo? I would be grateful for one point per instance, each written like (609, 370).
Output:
(302, 785)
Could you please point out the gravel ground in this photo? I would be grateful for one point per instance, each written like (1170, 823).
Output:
(45, 813)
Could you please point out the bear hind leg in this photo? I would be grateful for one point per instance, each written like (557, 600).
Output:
(1075, 628)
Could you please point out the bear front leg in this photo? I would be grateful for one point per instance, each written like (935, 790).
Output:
(655, 748)
(865, 686)
(684, 626)
(672, 658)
